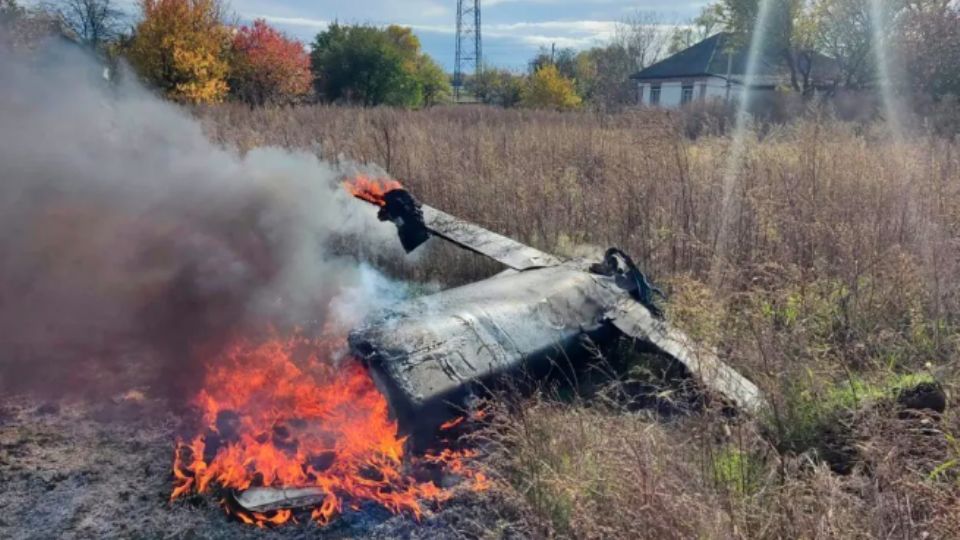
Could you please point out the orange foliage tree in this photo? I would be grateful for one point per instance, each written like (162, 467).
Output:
(267, 66)
(181, 47)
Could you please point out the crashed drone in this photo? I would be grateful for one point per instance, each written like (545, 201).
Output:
(429, 355)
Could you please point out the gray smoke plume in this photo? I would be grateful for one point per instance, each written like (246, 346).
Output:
(130, 243)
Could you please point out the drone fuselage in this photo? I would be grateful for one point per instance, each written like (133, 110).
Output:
(429, 354)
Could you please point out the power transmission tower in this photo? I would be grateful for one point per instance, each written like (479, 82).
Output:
(468, 34)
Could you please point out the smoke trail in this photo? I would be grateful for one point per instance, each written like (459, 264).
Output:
(120, 222)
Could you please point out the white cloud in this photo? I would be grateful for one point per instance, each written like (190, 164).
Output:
(576, 34)
(561, 42)
(592, 27)
(291, 21)
(436, 28)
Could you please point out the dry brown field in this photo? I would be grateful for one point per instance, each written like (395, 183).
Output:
(828, 275)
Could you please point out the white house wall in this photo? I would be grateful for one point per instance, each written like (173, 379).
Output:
(704, 89)
(717, 88)
(670, 94)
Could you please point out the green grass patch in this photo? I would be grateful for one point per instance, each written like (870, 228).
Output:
(812, 420)
(737, 471)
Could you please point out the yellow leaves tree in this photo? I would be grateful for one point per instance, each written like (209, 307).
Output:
(548, 89)
(181, 47)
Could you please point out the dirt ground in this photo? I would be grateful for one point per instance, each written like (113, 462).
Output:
(102, 470)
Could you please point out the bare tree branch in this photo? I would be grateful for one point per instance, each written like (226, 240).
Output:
(644, 36)
(94, 22)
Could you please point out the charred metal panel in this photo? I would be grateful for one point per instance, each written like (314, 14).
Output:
(433, 350)
(265, 499)
(636, 321)
(475, 238)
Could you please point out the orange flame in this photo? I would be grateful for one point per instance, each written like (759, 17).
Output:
(371, 190)
(280, 414)
(452, 423)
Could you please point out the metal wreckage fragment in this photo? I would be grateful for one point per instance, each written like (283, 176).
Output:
(431, 354)
(266, 499)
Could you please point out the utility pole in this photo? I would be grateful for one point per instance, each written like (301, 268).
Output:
(469, 42)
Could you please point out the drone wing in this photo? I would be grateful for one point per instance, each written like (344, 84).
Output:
(636, 321)
(479, 240)
(416, 222)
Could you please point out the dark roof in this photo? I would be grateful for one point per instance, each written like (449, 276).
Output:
(720, 56)
(709, 57)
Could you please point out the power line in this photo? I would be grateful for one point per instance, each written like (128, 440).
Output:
(469, 41)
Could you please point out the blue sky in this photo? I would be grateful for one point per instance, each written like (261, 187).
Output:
(513, 30)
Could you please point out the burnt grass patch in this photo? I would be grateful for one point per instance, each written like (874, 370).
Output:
(77, 473)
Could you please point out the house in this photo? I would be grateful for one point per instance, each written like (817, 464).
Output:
(715, 69)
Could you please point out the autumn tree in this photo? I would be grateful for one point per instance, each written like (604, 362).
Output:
(268, 67)
(375, 66)
(430, 83)
(181, 47)
(547, 88)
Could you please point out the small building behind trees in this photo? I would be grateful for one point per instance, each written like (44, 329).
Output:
(715, 69)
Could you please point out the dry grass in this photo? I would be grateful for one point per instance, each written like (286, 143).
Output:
(839, 274)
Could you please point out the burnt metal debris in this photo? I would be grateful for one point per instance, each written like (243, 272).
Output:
(429, 355)
(618, 264)
(416, 222)
(265, 499)
(405, 212)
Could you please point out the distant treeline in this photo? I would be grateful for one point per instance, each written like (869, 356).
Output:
(921, 49)
(194, 51)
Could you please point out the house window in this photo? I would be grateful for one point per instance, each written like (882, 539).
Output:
(655, 94)
(640, 94)
(686, 94)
